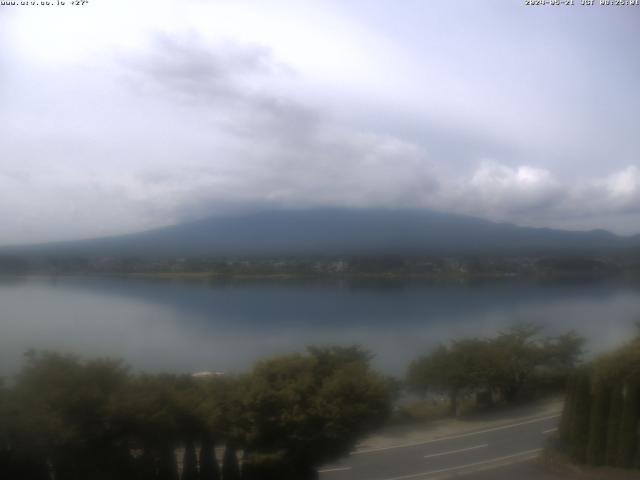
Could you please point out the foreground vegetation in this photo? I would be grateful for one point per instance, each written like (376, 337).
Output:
(68, 419)
(601, 420)
(74, 420)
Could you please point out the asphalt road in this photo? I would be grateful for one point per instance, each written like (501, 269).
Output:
(489, 453)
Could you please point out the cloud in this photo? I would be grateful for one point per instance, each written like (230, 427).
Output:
(186, 129)
(184, 126)
(226, 83)
(185, 66)
(499, 189)
(285, 153)
(616, 193)
(622, 189)
(527, 195)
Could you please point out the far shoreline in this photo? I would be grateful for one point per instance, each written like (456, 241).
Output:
(383, 276)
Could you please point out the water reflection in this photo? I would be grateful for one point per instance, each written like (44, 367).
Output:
(176, 325)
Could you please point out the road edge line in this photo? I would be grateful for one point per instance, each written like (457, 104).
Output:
(454, 437)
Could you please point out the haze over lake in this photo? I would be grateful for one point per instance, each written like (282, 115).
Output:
(188, 326)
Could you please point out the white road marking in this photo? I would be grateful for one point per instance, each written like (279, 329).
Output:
(451, 452)
(551, 430)
(453, 437)
(469, 465)
(337, 469)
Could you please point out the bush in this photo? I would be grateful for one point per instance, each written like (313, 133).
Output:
(600, 424)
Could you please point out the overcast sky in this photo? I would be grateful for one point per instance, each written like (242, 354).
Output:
(123, 115)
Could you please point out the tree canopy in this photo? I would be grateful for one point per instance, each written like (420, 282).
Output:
(504, 365)
(70, 419)
(308, 409)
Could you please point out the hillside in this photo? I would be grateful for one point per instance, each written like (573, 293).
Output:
(336, 231)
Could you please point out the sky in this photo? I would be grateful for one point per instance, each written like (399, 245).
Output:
(119, 116)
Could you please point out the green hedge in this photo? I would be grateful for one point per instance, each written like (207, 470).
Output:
(600, 424)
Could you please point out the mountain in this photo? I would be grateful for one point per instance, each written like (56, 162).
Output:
(338, 231)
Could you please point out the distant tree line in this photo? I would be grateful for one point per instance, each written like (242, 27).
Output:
(600, 424)
(479, 265)
(505, 368)
(68, 419)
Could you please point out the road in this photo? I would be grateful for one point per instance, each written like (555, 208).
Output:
(478, 452)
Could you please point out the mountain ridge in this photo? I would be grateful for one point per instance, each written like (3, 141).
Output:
(322, 231)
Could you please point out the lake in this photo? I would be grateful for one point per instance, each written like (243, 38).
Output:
(189, 326)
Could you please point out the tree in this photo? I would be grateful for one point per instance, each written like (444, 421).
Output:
(596, 446)
(190, 462)
(305, 410)
(613, 425)
(21, 455)
(166, 466)
(70, 419)
(464, 365)
(158, 413)
(579, 428)
(518, 352)
(209, 469)
(564, 351)
(628, 436)
(506, 364)
(65, 408)
(602, 410)
(230, 467)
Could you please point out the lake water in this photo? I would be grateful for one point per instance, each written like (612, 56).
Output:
(188, 326)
